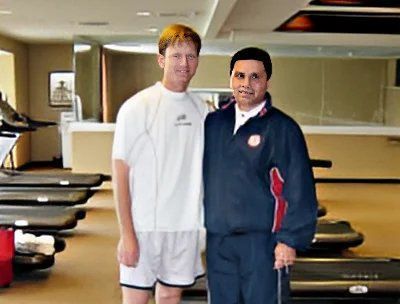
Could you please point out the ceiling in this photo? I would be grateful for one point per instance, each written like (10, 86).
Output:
(225, 25)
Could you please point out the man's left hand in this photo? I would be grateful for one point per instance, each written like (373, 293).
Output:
(284, 256)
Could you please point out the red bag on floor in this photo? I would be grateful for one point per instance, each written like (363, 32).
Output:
(6, 256)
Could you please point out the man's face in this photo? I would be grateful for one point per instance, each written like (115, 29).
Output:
(249, 83)
(180, 64)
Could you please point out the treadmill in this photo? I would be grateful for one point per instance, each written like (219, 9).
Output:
(351, 279)
(335, 280)
(14, 178)
(78, 213)
(335, 235)
(30, 262)
(320, 213)
(320, 163)
(44, 197)
(47, 220)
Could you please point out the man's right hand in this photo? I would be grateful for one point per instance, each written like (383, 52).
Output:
(128, 251)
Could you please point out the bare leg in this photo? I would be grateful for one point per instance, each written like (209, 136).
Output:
(135, 296)
(168, 295)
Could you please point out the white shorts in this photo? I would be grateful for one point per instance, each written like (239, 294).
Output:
(171, 258)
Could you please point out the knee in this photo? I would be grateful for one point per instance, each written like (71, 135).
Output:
(166, 294)
(134, 296)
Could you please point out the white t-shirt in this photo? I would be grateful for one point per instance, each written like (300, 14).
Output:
(241, 117)
(160, 136)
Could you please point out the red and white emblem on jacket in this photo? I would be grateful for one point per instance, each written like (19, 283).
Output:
(254, 140)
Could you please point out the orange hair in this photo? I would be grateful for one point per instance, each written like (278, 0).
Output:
(177, 33)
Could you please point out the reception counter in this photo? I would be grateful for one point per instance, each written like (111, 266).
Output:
(355, 151)
(91, 147)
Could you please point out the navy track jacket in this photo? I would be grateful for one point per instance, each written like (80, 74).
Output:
(260, 179)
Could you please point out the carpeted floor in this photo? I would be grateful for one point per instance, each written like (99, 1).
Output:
(86, 272)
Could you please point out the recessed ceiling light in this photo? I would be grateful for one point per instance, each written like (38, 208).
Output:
(94, 23)
(80, 48)
(143, 14)
(188, 15)
(5, 12)
(122, 47)
(132, 48)
(153, 30)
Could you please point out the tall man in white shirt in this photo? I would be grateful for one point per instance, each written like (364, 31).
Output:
(157, 175)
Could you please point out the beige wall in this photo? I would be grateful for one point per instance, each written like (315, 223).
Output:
(391, 72)
(356, 155)
(392, 97)
(20, 51)
(392, 106)
(45, 58)
(7, 77)
(32, 64)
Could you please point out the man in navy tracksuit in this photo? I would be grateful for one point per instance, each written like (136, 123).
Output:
(260, 203)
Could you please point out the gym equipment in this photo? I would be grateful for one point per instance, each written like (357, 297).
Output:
(320, 213)
(24, 262)
(78, 213)
(321, 163)
(7, 143)
(13, 178)
(325, 280)
(346, 277)
(12, 119)
(335, 235)
(44, 197)
(342, 180)
(43, 219)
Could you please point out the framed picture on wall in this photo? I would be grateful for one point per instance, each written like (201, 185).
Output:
(61, 88)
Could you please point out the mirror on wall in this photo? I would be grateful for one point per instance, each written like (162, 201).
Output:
(87, 68)
(315, 90)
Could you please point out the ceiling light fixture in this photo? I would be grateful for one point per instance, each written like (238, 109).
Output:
(5, 12)
(80, 48)
(132, 48)
(127, 48)
(153, 30)
(94, 23)
(188, 15)
(143, 14)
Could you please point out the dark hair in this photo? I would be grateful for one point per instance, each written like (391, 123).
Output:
(253, 53)
(178, 33)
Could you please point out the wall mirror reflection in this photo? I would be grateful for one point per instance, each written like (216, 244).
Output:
(323, 87)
